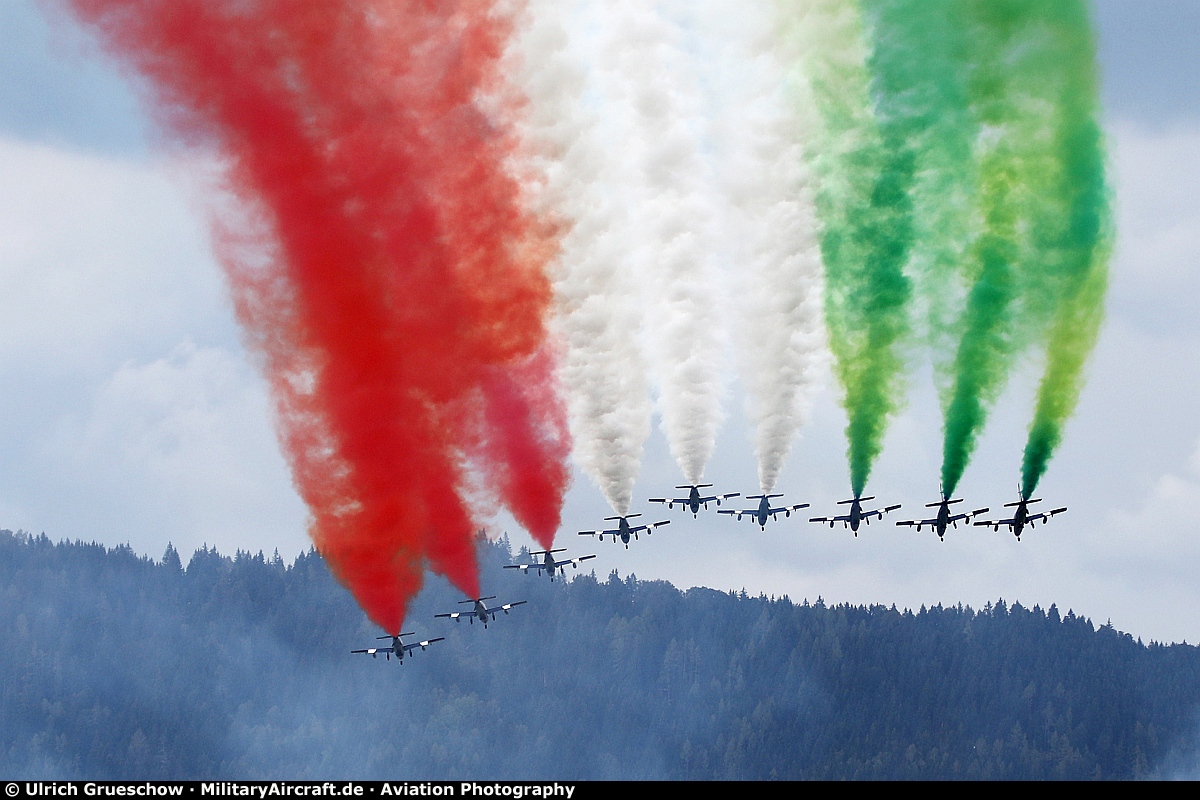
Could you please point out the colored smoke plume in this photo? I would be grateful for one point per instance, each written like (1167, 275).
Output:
(1079, 239)
(677, 214)
(864, 169)
(585, 185)
(776, 275)
(381, 260)
(1041, 256)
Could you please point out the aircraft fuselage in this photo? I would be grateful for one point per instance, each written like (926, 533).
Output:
(763, 513)
(856, 515)
(943, 519)
(1020, 518)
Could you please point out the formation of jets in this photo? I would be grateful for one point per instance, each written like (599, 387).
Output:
(480, 611)
(856, 515)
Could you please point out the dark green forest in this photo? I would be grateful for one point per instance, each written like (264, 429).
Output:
(119, 666)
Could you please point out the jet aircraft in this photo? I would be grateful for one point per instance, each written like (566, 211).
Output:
(624, 529)
(764, 511)
(694, 500)
(481, 611)
(398, 648)
(1021, 517)
(944, 518)
(548, 562)
(857, 515)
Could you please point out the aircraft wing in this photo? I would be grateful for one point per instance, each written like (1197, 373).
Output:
(881, 511)
(787, 509)
(408, 648)
(505, 608)
(1045, 515)
(522, 567)
(844, 518)
(648, 528)
(454, 614)
(914, 522)
(373, 650)
(574, 562)
(996, 523)
(750, 512)
(601, 534)
(720, 497)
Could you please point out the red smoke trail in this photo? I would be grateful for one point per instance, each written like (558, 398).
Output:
(392, 279)
(521, 432)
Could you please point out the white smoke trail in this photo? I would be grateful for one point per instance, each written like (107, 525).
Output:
(759, 132)
(598, 316)
(658, 183)
(649, 76)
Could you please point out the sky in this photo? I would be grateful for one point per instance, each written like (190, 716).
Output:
(130, 413)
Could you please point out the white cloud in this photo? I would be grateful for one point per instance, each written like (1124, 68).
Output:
(183, 446)
(130, 413)
(1157, 178)
(97, 256)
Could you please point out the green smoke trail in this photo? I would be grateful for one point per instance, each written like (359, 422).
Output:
(864, 170)
(919, 58)
(1071, 341)
(922, 54)
(1042, 200)
(1081, 241)
(1008, 66)
(960, 181)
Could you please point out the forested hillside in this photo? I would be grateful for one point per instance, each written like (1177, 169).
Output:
(116, 666)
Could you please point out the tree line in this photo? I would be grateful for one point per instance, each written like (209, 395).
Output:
(119, 666)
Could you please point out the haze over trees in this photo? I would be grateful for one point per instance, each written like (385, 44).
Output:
(118, 666)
